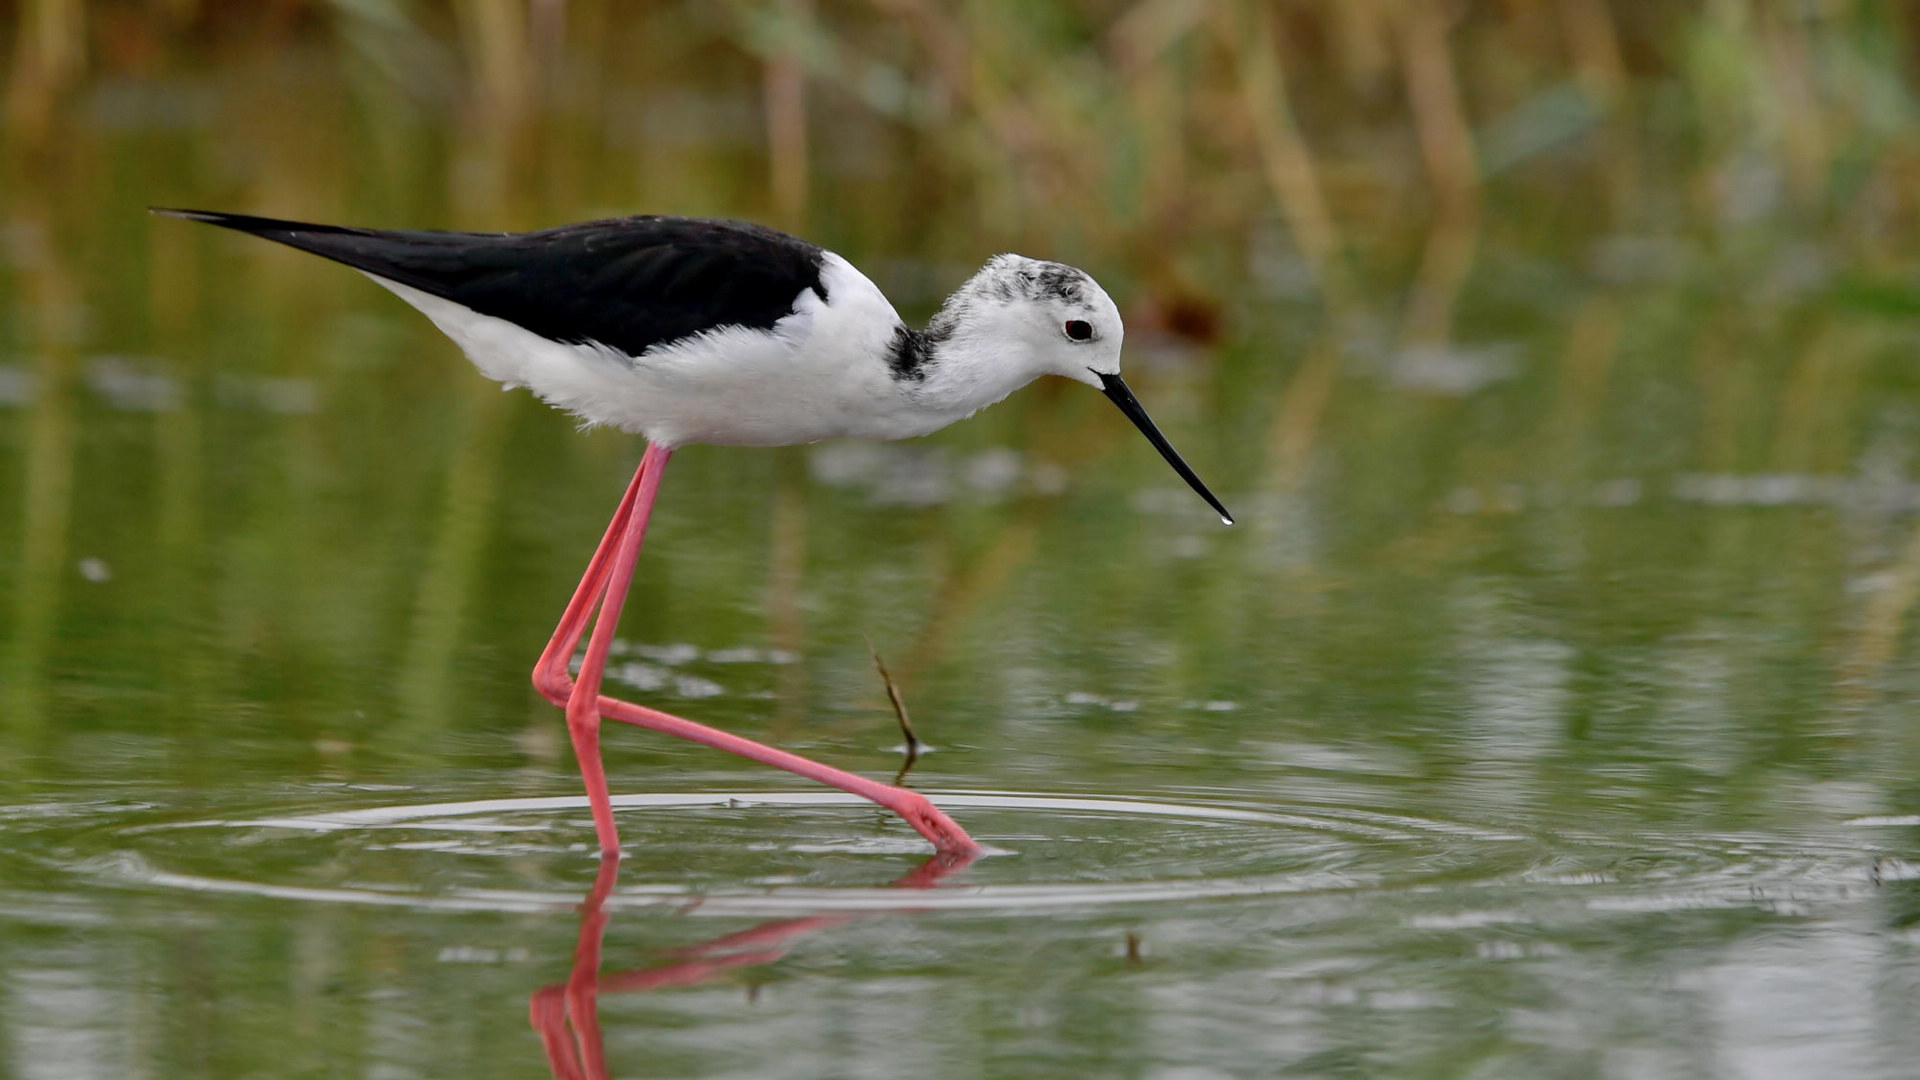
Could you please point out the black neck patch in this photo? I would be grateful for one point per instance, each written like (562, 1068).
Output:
(910, 353)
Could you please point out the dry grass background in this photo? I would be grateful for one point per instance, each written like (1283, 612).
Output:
(1349, 146)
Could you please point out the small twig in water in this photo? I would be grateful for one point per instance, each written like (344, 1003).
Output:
(899, 713)
(900, 778)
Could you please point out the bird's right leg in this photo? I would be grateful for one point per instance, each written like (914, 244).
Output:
(555, 682)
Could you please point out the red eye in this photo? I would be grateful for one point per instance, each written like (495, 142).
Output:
(1079, 330)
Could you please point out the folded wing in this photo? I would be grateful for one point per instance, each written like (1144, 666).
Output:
(629, 283)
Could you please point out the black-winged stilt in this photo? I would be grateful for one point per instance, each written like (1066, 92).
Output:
(693, 331)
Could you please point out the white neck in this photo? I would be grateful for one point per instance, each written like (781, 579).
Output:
(970, 371)
(971, 355)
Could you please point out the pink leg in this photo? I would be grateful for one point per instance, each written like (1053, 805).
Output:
(555, 683)
(550, 675)
(607, 579)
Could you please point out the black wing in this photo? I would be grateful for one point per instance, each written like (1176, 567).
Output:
(631, 283)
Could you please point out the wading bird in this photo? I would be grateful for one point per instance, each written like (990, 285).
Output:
(693, 331)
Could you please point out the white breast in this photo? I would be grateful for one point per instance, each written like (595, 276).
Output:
(820, 373)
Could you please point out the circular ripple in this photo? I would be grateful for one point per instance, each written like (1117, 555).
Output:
(719, 851)
(784, 853)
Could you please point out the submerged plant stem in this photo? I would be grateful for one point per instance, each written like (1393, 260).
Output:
(899, 712)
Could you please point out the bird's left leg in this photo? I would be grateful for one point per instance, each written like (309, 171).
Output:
(550, 675)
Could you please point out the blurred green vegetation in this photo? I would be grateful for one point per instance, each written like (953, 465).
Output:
(1418, 281)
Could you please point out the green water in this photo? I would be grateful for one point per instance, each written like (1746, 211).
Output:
(1549, 713)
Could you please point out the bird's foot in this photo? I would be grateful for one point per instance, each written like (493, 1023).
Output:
(947, 837)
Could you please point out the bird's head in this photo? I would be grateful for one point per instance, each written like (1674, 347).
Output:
(1055, 319)
(1052, 319)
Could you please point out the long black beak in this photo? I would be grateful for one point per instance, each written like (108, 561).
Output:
(1116, 389)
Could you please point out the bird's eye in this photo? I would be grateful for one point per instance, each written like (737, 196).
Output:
(1079, 330)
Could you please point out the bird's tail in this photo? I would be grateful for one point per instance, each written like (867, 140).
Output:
(414, 258)
(271, 228)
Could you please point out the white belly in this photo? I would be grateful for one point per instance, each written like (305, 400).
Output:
(819, 374)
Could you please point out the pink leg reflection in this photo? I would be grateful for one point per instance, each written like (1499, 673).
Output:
(567, 1015)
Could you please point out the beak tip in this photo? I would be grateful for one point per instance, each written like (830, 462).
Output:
(1226, 518)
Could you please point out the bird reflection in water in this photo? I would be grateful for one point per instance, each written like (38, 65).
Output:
(567, 1015)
